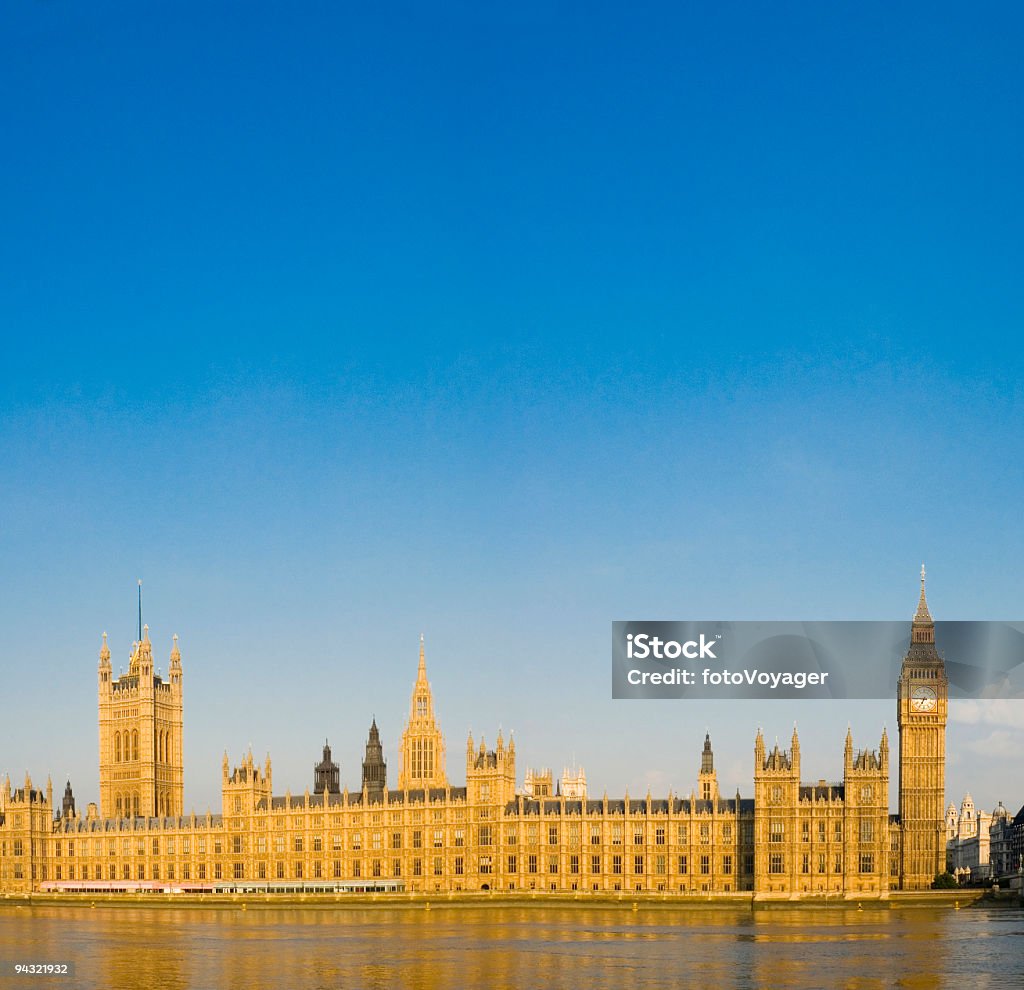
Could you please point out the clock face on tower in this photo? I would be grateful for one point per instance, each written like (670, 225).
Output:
(922, 699)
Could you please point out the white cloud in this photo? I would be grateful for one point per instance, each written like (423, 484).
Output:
(999, 743)
(737, 774)
(655, 781)
(998, 711)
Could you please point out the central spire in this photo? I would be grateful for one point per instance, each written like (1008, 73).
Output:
(422, 747)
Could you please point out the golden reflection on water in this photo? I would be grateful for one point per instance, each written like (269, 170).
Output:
(510, 948)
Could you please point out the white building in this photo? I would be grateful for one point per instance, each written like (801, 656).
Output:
(978, 842)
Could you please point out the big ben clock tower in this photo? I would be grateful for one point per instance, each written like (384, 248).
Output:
(922, 699)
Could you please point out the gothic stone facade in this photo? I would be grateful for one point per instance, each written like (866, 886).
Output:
(791, 839)
(141, 760)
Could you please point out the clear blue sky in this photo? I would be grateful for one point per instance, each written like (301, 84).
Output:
(338, 325)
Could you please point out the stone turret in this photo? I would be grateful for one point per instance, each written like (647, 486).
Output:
(245, 787)
(490, 774)
(327, 774)
(375, 770)
(68, 804)
(707, 779)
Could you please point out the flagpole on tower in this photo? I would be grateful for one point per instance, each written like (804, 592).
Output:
(140, 610)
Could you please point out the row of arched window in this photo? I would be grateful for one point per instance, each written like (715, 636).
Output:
(126, 746)
(126, 805)
(422, 759)
(126, 751)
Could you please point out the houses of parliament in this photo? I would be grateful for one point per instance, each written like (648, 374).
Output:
(425, 834)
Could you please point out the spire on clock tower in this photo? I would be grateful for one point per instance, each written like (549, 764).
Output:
(922, 628)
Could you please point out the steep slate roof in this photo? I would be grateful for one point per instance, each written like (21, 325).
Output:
(132, 824)
(617, 806)
(355, 798)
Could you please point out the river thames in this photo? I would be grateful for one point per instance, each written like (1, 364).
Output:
(512, 947)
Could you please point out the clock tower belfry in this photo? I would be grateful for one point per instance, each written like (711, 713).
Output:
(922, 699)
